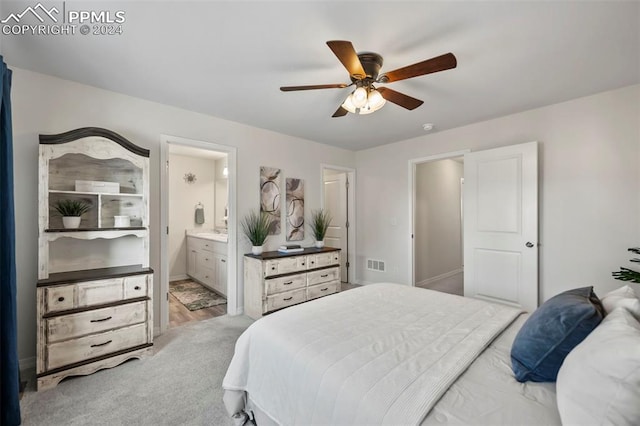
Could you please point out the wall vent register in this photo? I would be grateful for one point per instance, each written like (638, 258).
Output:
(375, 265)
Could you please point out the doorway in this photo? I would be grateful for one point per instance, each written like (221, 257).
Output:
(198, 241)
(338, 198)
(438, 225)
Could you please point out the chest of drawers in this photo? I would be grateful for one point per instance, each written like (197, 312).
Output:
(275, 280)
(87, 323)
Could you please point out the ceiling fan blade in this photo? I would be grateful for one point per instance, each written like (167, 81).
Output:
(401, 99)
(317, 86)
(347, 55)
(340, 112)
(439, 63)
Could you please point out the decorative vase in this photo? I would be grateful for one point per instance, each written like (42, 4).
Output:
(71, 222)
(256, 250)
(319, 244)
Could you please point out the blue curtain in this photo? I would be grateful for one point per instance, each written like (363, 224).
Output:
(10, 377)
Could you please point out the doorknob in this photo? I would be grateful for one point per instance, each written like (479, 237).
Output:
(529, 244)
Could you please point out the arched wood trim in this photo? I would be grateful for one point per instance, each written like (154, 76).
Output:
(86, 132)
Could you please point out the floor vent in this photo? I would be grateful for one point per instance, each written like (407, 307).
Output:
(375, 265)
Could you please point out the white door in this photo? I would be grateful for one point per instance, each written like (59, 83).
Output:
(501, 225)
(335, 201)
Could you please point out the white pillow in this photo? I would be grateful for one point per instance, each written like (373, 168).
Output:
(599, 381)
(625, 297)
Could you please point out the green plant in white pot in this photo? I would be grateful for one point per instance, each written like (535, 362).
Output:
(256, 228)
(71, 210)
(320, 221)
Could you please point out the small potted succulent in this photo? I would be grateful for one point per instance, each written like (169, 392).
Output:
(256, 228)
(320, 221)
(71, 210)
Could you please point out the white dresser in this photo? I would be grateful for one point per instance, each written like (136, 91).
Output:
(275, 280)
(87, 324)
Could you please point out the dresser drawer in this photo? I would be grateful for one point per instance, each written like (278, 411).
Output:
(290, 282)
(75, 325)
(285, 265)
(323, 276)
(324, 289)
(136, 286)
(59, 298)
(80, 349)
(283, 300)
(99, 292)
(323, 259)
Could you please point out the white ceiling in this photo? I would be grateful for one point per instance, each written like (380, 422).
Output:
(188, 151)
(228, 59)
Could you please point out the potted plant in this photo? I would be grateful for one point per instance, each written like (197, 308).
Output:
(320, 221)
(256, 227)
(71, 210)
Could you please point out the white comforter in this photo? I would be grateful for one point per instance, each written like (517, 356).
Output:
(380, 354)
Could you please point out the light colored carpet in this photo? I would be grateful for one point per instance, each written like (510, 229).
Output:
(179, 385)
(195, 296)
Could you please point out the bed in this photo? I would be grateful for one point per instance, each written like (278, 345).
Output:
(385, 354)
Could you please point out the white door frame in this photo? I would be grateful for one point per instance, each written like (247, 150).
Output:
(352, 213)
(232, 251)
(412, 202)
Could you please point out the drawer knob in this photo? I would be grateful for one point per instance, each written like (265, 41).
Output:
(324, 276)
(288, 298)
(223, 261)
(302, 263)
(60, 299)
(137, 287)
(101, 344)
(324, 289)
(288, 283)
(273, 268)
(101, 319)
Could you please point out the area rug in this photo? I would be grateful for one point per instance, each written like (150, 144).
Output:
(195, 296)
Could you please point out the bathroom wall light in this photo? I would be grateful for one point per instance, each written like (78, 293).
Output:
(189, 178)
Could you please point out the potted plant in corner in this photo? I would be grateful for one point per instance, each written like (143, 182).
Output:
(256, 227)
(320, 220)
(71, 210)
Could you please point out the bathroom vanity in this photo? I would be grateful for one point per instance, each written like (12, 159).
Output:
(207, 259)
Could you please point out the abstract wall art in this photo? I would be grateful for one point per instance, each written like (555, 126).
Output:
(295, 209)
(270, 183)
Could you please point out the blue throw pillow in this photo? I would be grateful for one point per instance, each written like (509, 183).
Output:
(552, 331)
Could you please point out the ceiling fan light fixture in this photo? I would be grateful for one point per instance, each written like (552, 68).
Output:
(375, 101)
(348, 104)
(359, 97)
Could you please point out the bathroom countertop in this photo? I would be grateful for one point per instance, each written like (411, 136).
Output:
(208, 235)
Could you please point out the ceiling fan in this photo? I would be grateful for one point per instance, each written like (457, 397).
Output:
(363, 70)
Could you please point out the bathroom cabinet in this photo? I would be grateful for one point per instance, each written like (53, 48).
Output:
(95, 288)
(207, 263)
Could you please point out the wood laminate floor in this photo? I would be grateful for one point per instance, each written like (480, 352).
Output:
(179, 315)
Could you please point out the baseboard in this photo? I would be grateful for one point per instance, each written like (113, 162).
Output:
(428, 281)
(178, 277)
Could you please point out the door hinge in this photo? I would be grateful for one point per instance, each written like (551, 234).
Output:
(346, 225)
(167, 296)
(347, 264)
(167, 230)
(167, 165)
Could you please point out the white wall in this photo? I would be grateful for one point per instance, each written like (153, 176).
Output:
(589, 188)
(183, 198)
(222, 192)
(438, 248)
(45, 104)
